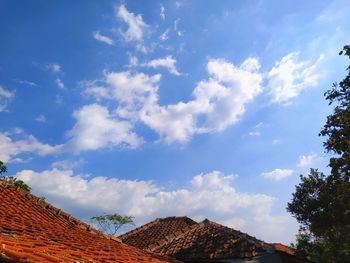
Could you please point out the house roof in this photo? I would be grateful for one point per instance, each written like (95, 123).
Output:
(35, 231)
(199, 241)
(149, 234)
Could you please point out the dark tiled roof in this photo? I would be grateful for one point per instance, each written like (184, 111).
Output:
(32, 230)
(199, 241)
(208, 240)
(155, 231)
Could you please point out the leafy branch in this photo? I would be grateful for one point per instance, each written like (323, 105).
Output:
(111, 223)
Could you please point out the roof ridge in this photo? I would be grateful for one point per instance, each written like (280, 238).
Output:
(175, 217)
(56, 211)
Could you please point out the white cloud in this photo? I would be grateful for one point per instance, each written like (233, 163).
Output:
(209, 195)
(307, 161)
(136, 25)
(67, 164)
(104, 39)
(166, 62)
(97, 92)
(28, 144)
(97, 128)
(162, 12)
(133, 91)
(5, 96)
(217, 102)
(54, 67)
(278, 174)
(6, 93)
(213, 180)
(59, 83)
(165, 35)
(41, 118)
(227, 91)
(289, 77)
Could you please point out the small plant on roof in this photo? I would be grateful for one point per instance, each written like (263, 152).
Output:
(13, 180)
(111, 223)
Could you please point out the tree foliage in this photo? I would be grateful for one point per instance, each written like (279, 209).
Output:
(13, 180)
(3, 168)
(111, 223)
(321, 203)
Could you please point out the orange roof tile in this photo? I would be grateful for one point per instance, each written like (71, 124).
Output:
(32, 230)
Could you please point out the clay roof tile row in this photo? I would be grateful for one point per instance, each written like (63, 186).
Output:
(31, 230)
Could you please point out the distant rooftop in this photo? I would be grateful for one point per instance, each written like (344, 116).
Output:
(207, 241)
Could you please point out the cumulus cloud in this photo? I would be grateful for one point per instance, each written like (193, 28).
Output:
(11, 148)
(278, 174)
(166, 62)
(227, 91)
(104, 39)
(289, 77)
(136, 25)
(5, 96)
(96, 128)
(217, 102)
(209, 195)
(307, 161)
(97, 92)
(133, 91)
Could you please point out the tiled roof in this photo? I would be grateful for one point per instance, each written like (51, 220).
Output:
(32, 230)
(208, 240)
(199, 241)
(149, 234)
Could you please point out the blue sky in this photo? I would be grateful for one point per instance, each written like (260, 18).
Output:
(209, 109)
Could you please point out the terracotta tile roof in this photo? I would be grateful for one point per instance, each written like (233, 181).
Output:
(200, 241)
(32, 230)
(149, 234)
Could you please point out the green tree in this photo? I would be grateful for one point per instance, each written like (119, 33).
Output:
(111, 223)
(321, 203)
(13, 180)
(3, 168)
